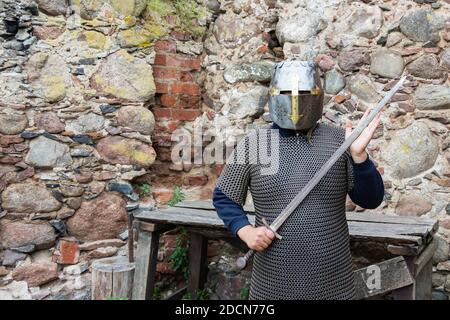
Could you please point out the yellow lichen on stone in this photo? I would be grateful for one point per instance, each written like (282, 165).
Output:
(54, 88)
(94, 39)
(141, 37)
(129, 7)
(128, 150)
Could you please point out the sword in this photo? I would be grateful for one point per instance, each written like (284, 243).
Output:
(278, 222)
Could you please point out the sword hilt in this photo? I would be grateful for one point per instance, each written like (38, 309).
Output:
(241, 262)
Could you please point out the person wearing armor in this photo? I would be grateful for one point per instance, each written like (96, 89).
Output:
(313, 259)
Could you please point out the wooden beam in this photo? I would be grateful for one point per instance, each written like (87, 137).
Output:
(393, 274)
(198, 263)
(146, 257)
(424, 257)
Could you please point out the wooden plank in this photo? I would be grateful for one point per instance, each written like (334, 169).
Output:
(146, 256)
(394, 229)
(184, 216)
(363, 233)
(351, 216)
(404, 250)
(198, 263)
(153, 227)
(392, 274)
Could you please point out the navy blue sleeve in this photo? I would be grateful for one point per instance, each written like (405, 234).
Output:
(232, 214)
(368, 187)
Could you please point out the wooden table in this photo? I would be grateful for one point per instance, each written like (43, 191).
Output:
(408, 241)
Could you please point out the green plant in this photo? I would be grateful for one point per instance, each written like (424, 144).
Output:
(244, 293)
(114, 298)
(178, 257)
(156, 293)
(145, 189)
(177, 196)
(204, 294)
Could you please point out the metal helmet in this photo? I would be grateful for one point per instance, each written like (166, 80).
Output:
(296, 95)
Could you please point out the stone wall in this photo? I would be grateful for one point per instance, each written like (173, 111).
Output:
(92, 90)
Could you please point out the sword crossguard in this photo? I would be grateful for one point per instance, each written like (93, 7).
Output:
(269, 227)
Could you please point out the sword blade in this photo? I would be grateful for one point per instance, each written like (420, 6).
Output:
(278, 222)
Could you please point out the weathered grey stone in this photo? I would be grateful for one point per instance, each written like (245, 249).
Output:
(334, 82)
(53, 7)
(394, 38)
(10, 258)
(137, 118)
(432, 97)
(49, 76)
(256, 71)
(249, 103)
(47, 153)
(86, 123)
(190, 47)
(17, 234)
(422, 25)
(16, 290)
(411, 151)
(427, 66)
(299, 28)
(442, 250)
(125, 77)
(363, 88)
(366, 21)
(231, 32)
(29, 197)
(412, 205)
(445, 59)
(352, 60)
(12, 122)
(49, 122)
(387, 63)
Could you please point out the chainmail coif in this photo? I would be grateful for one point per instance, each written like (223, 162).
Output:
(313, 260)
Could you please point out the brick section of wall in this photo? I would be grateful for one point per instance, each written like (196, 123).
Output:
(178, 100)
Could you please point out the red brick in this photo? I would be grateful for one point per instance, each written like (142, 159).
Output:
(195, 181)
(165, 46)
(192, 89)
(186, 115)
(162, 87)
(162, 113)
(69, 252)
(162, 196)
(186, 76)
(164, 268)
(189, 102)
(164, 73)
(168, 100)
(160, 59)
(176, 60)
(167, 126)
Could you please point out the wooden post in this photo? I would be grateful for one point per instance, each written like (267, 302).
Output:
(198, 263)
(112, 278)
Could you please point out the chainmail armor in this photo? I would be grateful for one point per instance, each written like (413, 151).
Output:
(313, 260)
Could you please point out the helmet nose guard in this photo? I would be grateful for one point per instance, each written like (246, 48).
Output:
(302, 80)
